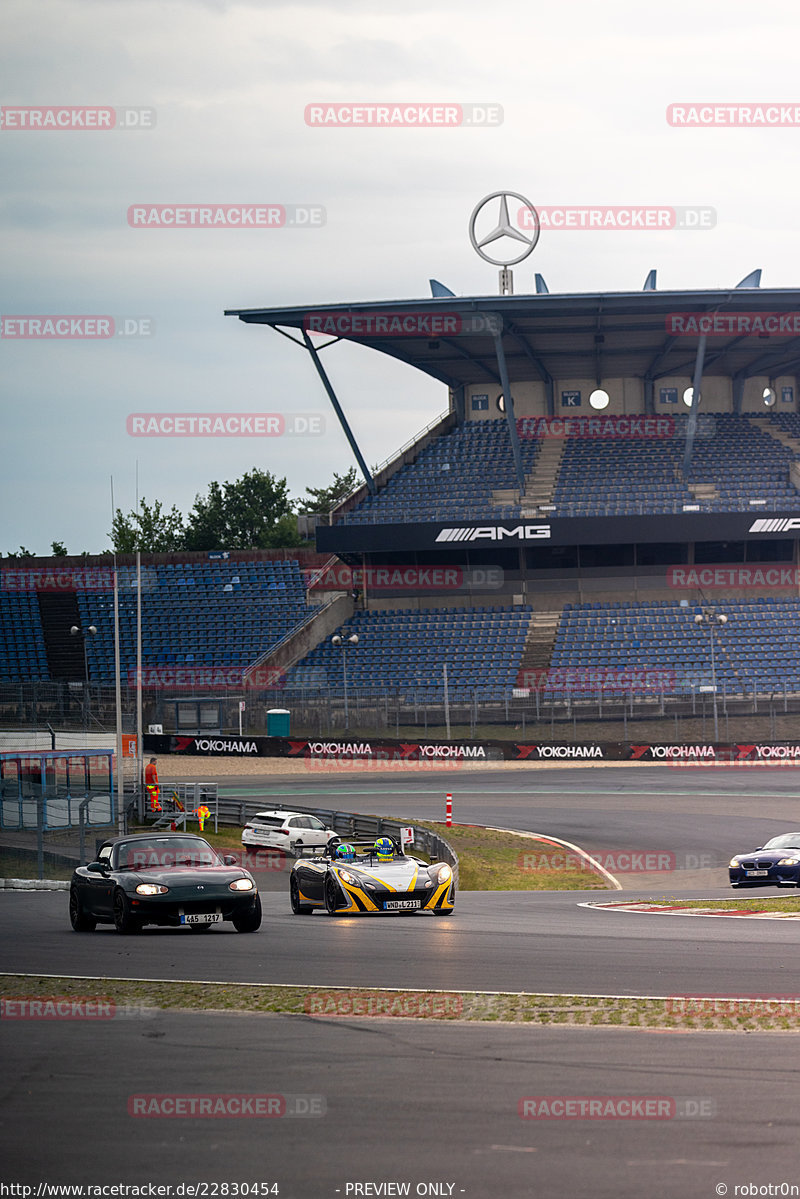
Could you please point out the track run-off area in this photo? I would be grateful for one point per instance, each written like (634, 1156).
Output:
(433, 1101)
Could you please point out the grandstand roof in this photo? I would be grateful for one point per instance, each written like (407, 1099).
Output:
(580, 335)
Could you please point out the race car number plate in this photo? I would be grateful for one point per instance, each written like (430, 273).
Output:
(202, 918)
(756, 873)
(394, 905)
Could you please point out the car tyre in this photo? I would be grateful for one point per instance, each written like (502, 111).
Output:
(298, 908)
(446, 912)
(249, 921)
(81, 923)
(331, 896)
(124, 920)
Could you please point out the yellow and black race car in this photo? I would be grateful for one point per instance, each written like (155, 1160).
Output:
(369, 877)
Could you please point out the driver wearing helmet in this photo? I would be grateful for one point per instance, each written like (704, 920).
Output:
(345, 853)
(384, 848)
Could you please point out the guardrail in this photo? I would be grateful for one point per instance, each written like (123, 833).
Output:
(350, 824)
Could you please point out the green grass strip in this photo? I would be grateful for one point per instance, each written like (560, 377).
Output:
(141, 999)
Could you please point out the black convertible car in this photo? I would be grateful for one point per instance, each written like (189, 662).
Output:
(172, 879)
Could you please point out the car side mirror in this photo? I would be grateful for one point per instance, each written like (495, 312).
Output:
(97, 868)
(229, 859)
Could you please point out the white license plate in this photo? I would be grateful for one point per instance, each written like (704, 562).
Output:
(756, 873)
(394, 905)
(202, 918)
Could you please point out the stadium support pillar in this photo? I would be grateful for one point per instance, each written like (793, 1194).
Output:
(550, 391)
(649, 391)
(459, 407)
(738, 393)
(337, 408)
(509, 405)
(691, 427)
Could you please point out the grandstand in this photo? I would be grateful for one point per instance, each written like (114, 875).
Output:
(562, 511)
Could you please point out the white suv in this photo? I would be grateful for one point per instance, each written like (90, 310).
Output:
(285, 831)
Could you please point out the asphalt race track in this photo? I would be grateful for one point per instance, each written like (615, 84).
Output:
(424, 1102)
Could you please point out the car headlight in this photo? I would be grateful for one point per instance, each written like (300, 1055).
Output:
(733, 862)
(788, 861)
(445, 873)
(151, 889)
(242, 884)
(346, 876)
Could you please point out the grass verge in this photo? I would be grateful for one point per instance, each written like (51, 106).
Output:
(768, 904)
(492, 861)
(130, 999)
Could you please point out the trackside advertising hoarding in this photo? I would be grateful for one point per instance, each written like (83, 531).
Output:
(356, 748)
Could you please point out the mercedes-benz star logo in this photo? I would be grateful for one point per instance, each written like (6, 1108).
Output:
(504, 228)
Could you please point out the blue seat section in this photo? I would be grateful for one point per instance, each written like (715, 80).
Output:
(22, 651)
(657, 647)
(406, 650)
(451, 479)
(218, 613)
(622, 477)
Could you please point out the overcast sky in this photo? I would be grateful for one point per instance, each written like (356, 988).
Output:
(584, 89)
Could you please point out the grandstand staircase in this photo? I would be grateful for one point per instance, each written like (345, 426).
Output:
(59, 612)
(792, 443)
(540, 484)
(538, 649)
(704, 491)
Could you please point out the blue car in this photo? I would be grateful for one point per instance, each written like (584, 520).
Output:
(776, 864)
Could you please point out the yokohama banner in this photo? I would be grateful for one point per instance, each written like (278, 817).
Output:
(355, 748)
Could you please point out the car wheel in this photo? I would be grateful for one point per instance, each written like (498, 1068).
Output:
(249, 921)
(299, 909)
(80, 922)
(124, 921)
(331, 896)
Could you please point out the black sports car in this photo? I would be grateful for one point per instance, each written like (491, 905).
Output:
(777, 863)
(172, 879)
(368, 881)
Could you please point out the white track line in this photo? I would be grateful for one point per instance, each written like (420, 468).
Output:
(615, 883)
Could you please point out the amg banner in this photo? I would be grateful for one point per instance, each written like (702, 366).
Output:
(395, 752)
(551, 529)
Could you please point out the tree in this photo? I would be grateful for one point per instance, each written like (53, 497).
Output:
(322, 499)
(254, 512)
(21, 553)
(152, 530)
(59, 549)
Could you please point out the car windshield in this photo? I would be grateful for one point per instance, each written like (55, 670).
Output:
(785, 841)
(162, 853)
